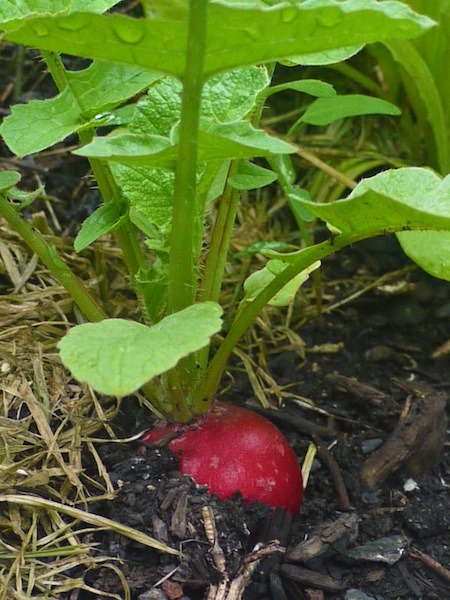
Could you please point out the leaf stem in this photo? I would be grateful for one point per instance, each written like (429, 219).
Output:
(125, 234)
(182, 280)
(58, 268)
(182, 274)
(220, 241)
(249, 312)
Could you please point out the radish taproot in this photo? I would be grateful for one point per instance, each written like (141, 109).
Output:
(233, 449)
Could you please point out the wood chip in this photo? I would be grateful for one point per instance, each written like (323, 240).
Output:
(343, 531)
(417, 440)
(178, 523)
(362, 391)
(312, 578)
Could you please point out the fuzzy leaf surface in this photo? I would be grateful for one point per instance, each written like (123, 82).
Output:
(228, 97)
(222, 141)
(41, 123)
(399, 199)
(238, 35)
(15, 10)
(117, 357)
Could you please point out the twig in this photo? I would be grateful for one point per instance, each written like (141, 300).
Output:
(335, 471)
(233, 589)
(430, 562)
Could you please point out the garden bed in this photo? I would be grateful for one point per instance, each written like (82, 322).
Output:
(383, 339)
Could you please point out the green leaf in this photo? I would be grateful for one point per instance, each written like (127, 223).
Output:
(259, 280)
(41, 123)
(231, 96)
(313, 87)
(250, 176)
(48, 122)
(23, 198)
(228, 97)
(131, 148)
(282, 164)
(104, 85)
(295, 196)
(103, 220)
(239, 140)
(221, 141)
(238, 35)
(429, 93)
(16, 10)
(152, 285)
(264, 247)
(417, 190)
(149, 192)
(324, 111)
(410, 198)
(117, 357)
(323, 58)
(429, 249)
(160, 109)
(8, 179)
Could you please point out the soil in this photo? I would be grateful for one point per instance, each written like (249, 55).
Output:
(380, 536)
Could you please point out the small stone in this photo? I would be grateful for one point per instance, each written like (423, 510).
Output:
(358, 595)
(386, 550)
(369, 446)
(153, 594)
(379, 354)
(410, 485)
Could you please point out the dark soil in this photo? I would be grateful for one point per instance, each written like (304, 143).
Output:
(385, 341)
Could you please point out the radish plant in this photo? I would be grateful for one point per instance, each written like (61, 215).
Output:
(202, 70)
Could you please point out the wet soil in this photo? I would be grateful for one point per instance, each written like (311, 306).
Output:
(365, 538)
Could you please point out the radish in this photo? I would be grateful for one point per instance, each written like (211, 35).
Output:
(233, 449)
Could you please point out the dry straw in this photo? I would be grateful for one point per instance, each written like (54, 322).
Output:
(49, 427)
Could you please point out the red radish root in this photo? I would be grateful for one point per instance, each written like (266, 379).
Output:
(234, 449)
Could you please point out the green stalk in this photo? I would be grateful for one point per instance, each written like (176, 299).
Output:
(226, 216)
(220, 241)
(220, 244)
(57, 267)
(182, 274)
(125, 234)
(215, 264)
(249, 312)
(358, 77)
(286, 186)
(182, 286)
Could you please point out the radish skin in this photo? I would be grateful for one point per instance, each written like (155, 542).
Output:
(233, 449)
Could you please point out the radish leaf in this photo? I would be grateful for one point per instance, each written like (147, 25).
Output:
(117, 357)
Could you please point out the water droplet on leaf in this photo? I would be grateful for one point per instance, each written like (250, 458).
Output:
(74, 23)
(130, 33)
(103, 118)
(254, 33)
(330, 17)
(40, 29)
(405, 26)
(289, 14)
